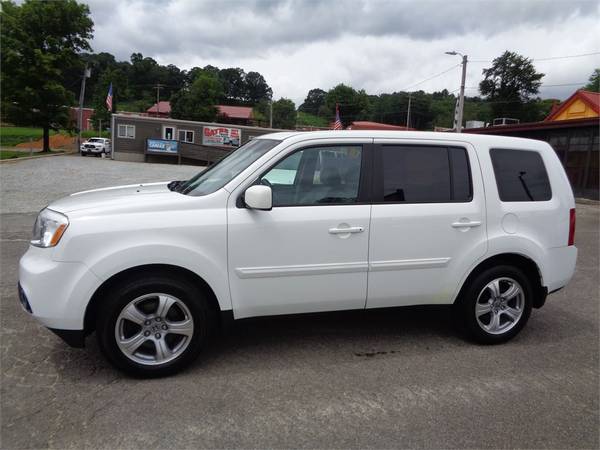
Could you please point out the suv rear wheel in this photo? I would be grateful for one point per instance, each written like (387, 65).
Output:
(154, 326)
(496, 304)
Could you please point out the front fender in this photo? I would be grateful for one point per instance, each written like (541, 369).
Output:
(213, 272)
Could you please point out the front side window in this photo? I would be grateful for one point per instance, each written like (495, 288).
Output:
(520, 175)
(316, 176)
(126, 131)
(425, 174)
(221, 173)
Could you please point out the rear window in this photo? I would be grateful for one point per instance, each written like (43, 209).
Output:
(520, 175)
(425, 174)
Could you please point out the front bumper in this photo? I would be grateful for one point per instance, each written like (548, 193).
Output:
(55, 293)
(91, 150)
(74, 338)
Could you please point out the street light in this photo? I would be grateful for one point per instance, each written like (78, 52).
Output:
(461, 101)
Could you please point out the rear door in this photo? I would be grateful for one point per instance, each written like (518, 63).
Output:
(427, 221)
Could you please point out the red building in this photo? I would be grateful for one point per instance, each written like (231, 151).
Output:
(162, 109)
(87, 114)
(366, 125)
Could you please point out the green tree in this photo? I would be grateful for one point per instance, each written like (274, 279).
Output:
(509, 86)
(284, 114)
(353, 105)
(593, 82)
(256, 88)
(313, 101)
(40, 42)
(198, 101)
(233, 80)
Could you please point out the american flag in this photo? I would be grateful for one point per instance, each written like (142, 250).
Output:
(109, 98)
(337, 125)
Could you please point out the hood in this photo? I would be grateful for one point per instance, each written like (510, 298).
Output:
(130, 197)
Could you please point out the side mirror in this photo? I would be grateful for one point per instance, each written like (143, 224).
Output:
(259, 197)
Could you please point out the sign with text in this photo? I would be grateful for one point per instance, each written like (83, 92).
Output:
(222, 136)
(162, 146)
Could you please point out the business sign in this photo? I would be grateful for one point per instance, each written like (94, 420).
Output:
(161, 146)
(222, 136)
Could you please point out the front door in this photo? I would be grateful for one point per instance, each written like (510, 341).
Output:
(427, 223)
(168, 133)
(309, 253)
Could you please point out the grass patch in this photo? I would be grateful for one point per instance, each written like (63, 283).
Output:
(310, 120)
(12, 154)
(11, 136)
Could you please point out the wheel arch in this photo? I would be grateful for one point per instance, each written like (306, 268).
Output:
(528, 265)
(95, 302)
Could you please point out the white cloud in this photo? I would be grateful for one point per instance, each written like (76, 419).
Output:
(376, 46)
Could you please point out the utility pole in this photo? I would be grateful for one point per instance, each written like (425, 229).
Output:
(158, 87)
(86, 74)
(462, 94)
(100, 127)
(408, 113)
(461, 98)
(271, 113)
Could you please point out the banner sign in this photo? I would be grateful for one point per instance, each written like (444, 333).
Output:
(162, 146)
(222, 136)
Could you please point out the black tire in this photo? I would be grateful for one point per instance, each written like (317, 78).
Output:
(83, 153)
(466, 305)
(120, 296)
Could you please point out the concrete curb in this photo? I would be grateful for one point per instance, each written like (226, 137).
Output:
(24, 158)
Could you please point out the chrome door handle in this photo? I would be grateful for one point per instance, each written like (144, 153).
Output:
(471, 224)
(346, 230)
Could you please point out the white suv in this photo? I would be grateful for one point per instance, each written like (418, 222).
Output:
(304, 222)
(95, 146)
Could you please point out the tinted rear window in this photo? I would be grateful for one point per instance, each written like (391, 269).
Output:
(520, 175)
(425, 174)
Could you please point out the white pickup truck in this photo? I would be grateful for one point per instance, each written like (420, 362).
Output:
(95, 146)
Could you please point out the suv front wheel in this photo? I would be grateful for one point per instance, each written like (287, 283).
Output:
(153, 326)
(496, 304)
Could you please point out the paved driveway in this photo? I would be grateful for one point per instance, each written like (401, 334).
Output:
(379, 379)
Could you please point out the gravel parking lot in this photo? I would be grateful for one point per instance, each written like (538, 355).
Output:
(402, 378)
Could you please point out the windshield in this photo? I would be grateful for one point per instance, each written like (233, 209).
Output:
(221, 173)
(94, 140)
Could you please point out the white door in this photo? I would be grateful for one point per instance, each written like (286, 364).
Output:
(427, 223)
(309, 253)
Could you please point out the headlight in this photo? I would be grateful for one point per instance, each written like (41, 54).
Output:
(49, 228)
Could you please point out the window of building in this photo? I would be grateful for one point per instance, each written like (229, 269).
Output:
(126, 131)
(169, 133)
(186, 136)
(316, 176)
(425, 174)
(520, 175)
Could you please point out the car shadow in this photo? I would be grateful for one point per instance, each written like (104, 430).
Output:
(324, 339)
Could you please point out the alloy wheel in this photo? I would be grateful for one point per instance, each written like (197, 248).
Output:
(154, 329)
(500, 305)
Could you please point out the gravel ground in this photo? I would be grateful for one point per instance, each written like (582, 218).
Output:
(379, 379)
(30, 185)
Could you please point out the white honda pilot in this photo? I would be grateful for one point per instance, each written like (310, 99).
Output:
(295, 223)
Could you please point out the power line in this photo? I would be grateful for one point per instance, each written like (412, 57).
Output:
(542, 85)
(550, 58)
(431, 77)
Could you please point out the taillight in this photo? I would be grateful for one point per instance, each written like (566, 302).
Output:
(572, 226)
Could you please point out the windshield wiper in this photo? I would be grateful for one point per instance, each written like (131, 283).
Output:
(175, 185)
(524, 183)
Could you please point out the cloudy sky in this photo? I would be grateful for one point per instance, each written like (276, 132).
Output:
(379, 46)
